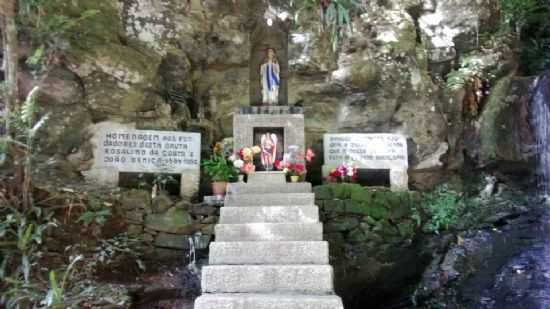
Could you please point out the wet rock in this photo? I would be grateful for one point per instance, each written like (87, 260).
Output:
(173, 221)
(172, 241)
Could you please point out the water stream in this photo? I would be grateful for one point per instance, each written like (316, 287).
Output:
(539, 116)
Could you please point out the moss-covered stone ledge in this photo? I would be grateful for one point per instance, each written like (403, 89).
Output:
(373, 235)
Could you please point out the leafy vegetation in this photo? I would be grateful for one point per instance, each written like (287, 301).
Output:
(335, 16)
(443, 207)
(56, 294)
(96, 212)
(470, 67)
(51, 29)
(218, 168)
(519, 13)
(21, 233)
(530, 21)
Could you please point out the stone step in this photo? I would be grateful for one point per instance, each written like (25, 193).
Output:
(299, 279)
(269, 232)
(267, 301)
(276, 177)
(269, 253)
(246, 188)
(271, 214)
(269, 199)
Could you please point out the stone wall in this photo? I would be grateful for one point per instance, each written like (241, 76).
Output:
(167, 223)
(373, 235)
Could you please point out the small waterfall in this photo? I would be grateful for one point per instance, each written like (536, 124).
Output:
(192, 253)
(539, 116)
(192, 272)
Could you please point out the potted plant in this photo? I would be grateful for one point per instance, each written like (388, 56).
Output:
(220, 171)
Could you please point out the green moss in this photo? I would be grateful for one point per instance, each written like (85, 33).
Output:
(406, 228)
(101, 27)
(365, 74)
(336, 206)
(492, 127)
(406, 42)
(322, 192)
(378, 212)
(341, 191)
(361, 194)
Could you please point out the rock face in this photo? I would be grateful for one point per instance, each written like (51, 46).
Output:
(184, 65)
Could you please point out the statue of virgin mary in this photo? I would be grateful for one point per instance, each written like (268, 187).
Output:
(270, 74)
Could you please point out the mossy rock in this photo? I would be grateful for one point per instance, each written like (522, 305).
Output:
(357, 236)
(360, 194)
(323, 192)
(334, 206)
(173, 221)
(406, 228)
(401, 210)
(135, 199)
(343, 191)
(104, 26)
(378, 212)
(356, 208)
(342, 225)
(365, 74)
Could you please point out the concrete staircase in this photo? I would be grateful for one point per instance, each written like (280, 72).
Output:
(269, 251)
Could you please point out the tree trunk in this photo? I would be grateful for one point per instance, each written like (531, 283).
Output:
(10, 41)
(11, 98)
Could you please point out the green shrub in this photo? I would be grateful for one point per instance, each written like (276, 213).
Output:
(443, 207)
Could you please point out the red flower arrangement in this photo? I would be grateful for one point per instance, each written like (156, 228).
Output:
(343, 172)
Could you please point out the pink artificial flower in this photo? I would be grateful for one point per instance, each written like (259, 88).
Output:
(248, 168)
(310, 155)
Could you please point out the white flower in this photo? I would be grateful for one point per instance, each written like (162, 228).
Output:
(238, 163)
(349, 169)
(232, 158)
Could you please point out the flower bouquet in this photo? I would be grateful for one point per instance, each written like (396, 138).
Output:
(293, 162)
(343, 173)
(243, 161)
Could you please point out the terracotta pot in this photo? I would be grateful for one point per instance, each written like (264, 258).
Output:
(294, 178)
(218, 187)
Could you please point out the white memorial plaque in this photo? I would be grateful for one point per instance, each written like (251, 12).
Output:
(121, 148)
(149, 151)
(369, 151)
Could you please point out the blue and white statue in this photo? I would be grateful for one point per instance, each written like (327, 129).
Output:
(269, 72)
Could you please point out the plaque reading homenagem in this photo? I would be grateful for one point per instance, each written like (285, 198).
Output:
(121, 148)
(150, 151)
(369, 151)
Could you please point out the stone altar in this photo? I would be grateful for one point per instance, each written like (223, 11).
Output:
(287, 120)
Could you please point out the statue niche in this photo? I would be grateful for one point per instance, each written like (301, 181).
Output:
(268, 63)
(270, 79)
